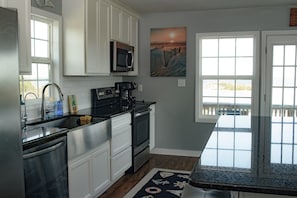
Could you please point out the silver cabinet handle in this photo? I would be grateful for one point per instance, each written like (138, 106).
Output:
(40, 152)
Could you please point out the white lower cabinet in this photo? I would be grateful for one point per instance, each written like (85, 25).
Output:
(89, 175)
(120, 163)
(121, 140)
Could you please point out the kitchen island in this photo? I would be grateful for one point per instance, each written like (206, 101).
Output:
(249, 154)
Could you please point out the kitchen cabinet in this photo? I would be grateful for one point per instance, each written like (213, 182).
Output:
(152, 126)
(134, 42)
(121, 140)
(120, 25)
(24, 15)
(89, 175)
(124, 28)
(86, 33)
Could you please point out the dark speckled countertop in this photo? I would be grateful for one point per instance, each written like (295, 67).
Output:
(249, 154)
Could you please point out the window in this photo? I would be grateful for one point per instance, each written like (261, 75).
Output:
(226, 74)
(227, 84)
(41, 39)
(46, 54)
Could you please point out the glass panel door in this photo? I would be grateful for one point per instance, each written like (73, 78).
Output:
(281, 98)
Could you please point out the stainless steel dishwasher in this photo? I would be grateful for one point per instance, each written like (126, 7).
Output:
(46, 170)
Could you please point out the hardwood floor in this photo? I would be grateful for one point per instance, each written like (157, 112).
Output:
(128, 181)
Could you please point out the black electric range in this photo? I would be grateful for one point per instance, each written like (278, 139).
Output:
(106, 103)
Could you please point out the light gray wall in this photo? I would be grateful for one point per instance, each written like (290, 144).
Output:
(175, 126)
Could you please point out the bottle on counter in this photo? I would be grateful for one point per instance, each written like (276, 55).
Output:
(59, 108)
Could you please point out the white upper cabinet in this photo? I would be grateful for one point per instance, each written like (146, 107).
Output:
(134, 42)
(120, 25)
(88, 28)
(124, 28)
(24, 10)
(86, 37)
(97, 38)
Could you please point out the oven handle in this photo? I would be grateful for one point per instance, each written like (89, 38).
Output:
(40, 152)
(142, 113)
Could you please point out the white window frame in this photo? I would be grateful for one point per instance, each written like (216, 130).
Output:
(33, 105)
(55, 49)
(198, 86)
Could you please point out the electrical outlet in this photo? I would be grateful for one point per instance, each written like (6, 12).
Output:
(181, 82)
(140, 87)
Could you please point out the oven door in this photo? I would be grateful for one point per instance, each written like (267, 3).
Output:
(141, 130)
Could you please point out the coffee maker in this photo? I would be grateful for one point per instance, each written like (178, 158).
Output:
(124, 89)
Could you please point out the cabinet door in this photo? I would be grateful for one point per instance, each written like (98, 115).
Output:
(91, 39)
(104, 37)
(79, 174)
(134, 42)
(120, 163)
(115, 23)
(133, 31)
(97, 37)
(121, 139)
(125, 27)
(24, 10)
(120, 25)
(73, 37)
(101, 168)
(118, 121)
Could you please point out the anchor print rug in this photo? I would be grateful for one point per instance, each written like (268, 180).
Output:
(160, 183)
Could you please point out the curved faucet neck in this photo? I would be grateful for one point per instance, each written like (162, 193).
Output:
(61, 97)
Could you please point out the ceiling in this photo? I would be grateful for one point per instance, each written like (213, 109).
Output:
(153, 6)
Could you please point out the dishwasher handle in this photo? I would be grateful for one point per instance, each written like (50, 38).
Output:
(43, 151)
(142, 113)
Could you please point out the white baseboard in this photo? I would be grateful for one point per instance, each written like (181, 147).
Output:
(187, 153)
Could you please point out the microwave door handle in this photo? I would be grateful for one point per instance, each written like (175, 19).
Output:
(132, 59)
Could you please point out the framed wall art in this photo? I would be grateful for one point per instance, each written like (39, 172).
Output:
(168, 51)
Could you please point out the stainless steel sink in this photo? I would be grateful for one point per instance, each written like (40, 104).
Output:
(68, 122)
(81, 137)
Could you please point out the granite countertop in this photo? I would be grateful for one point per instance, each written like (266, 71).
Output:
(248, 154)
(39, 132)
(35, 133)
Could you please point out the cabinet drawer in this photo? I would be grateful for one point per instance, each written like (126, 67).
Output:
(120, 120)
(120, 163)
(121, 139)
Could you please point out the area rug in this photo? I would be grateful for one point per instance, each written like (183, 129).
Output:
(160, 183)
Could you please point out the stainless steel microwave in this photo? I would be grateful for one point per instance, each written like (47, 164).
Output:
(121, 57)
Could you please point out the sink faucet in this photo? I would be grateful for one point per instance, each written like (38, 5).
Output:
(42, 100)
(25, 116)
